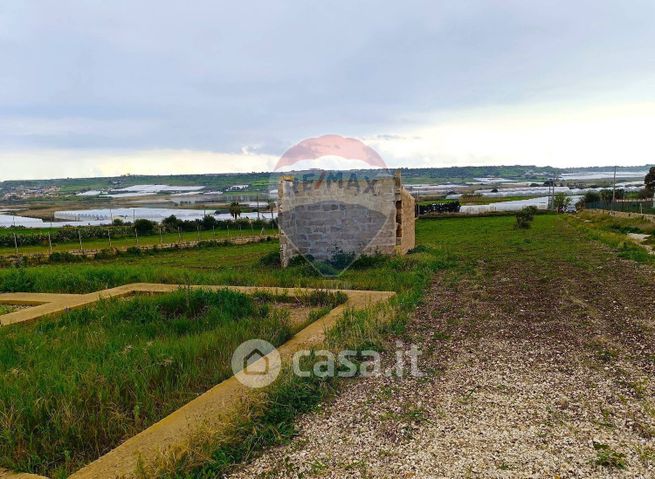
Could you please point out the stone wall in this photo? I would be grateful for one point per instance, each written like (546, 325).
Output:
(327, 213)
(406, 212)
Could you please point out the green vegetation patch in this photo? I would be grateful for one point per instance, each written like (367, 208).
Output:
(8, 308)
(74, 387)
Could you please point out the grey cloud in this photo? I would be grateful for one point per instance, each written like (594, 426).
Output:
(219, 75)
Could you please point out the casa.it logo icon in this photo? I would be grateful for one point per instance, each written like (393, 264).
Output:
(256, 363)
(336, 202)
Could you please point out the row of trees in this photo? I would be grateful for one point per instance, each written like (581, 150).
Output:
(65, 234)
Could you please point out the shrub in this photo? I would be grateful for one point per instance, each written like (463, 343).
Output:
(105, 254)
(300, 260)
(271, 259)
(144, 227)
(64, 257)
(341, 259)
(369, 261)
(607, 457)
(591, 197)
(17, 280)
(525, 216)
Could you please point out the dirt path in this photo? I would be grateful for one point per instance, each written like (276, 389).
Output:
(533, 369)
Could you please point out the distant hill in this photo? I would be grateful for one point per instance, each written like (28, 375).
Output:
(260, 182)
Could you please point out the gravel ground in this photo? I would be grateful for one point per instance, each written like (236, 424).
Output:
(527, 373)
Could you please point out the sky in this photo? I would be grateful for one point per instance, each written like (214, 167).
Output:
(97, 88)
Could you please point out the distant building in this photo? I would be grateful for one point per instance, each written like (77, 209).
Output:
(238, 187)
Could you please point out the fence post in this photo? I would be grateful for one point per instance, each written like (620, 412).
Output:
(49, 242)
(161, 236)
(214, 230)
(179, 235)
(79, 235)
(109, 236)
(136, 235)
(16, 243)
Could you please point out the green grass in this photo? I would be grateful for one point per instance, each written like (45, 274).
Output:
(457, 246)
(230, 265)
(487, 200)
(612, 231)
(151, 240)
(609, 458)
(476, 200)
(76, 386)
(7, 308)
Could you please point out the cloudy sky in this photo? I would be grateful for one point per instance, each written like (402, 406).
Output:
(96, 87)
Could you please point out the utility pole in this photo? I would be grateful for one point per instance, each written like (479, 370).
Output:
(614, 190)
(109, 236)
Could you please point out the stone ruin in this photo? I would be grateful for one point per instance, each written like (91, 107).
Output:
(322, 214)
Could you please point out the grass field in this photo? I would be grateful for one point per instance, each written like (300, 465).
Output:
(486, 200)
(613, 231)
(478, 200)
(99, 244)
(462, 247)
(76, 386)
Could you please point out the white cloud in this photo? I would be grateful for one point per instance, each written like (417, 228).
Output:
(559, 136)
(555, 135)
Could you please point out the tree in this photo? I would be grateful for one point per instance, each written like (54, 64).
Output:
(649, 181)
(561, 201)
(606, 195)
(144, 227)
(591, 197)
(171, 223)
(235, 210)
(208, 222)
